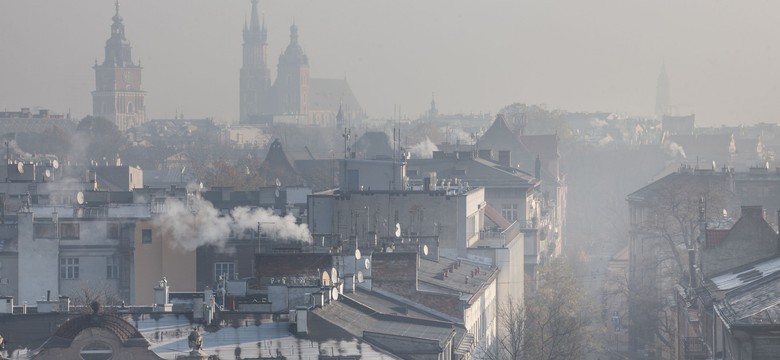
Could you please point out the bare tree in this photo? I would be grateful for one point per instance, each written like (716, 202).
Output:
(670, 225)
(553, 323)
(88, 293)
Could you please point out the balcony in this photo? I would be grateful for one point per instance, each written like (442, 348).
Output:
(695, 348)
(502, 236)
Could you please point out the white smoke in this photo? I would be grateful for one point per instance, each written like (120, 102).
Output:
(675, 149)
(606, 140)
(457, 135)
(423, 149)
(198, 223)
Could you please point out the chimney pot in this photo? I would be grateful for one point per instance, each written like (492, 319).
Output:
(467, 279)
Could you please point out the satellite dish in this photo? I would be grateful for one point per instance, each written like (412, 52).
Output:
(334, 275)
(20, 167)
(357, 254)
(334, 294)
(360, 277)
(80, 198)
(47, 173)
(397, 230)
(55, 164)
(278, 183)
(425, 250)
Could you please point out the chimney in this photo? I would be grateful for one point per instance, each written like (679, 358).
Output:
(467, 279)
(505, 158)
(692, 268)
(538, 168)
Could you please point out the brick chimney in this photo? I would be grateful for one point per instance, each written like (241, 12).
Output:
(396, 272)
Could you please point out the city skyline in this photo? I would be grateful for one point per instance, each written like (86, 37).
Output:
(475, 57)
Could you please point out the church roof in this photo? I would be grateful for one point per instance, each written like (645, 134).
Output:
(329, 94)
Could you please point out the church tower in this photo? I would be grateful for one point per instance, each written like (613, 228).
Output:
(662, 96)
(118, 96)
(292, 79)
(255, 79)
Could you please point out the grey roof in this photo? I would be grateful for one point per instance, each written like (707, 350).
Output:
(33, 125)
(431, 279)
(757, 303)
(685, 177)
(357, 318)
(476, 171)
(745, 274)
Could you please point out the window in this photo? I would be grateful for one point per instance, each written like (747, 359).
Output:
(224, 268)
(45, 231)
(146, 236)
(112, 267)
(69, 268)
(69, 230)
(509, 211)
(112, 231)
(96, 351)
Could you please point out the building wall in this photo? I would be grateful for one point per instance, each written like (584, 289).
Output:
(92, 248)
(456, 219)
(161, 257)
(38, 262)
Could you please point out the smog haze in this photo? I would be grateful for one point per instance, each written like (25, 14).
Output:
(596, 55)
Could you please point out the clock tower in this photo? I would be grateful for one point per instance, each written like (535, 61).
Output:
(118, 96)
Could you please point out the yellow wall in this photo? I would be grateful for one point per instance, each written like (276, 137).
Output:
(158, 259)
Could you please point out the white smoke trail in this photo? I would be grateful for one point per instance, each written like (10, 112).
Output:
(197, 223)
(674, 149)
(423, 149)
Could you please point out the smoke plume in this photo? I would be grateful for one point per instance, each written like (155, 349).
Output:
(423, 149)
(197, 222)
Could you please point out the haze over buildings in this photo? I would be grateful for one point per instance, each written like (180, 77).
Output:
(477, 57)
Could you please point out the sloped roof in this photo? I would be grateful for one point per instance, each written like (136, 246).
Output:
(476, 171)
(757, 303)
(495, 216)
(685, 177)
(329, 94)
(750, 239)
(498, 135)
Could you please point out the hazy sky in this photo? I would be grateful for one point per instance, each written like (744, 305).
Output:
(722, 57)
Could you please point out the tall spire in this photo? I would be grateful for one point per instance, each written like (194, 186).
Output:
(116, 4)
(255, 21)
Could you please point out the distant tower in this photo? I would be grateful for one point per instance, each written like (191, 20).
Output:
(340, 121)
(433, 112)
(118, 96)
(662, 94)
(255, 76)
(292, 79)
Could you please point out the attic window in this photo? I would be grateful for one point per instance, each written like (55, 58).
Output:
(96, 351)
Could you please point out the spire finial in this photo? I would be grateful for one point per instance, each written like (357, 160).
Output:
(116, 4)
(254, 22)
